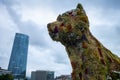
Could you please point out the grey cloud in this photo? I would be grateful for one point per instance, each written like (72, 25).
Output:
(61, 57)
(59, 53)
(5, 49)
(9, 2)
(7, 33)
(118, 29)
(105, 4)
(109, 37)
(4, 62)
(111, 4)
(37, 35)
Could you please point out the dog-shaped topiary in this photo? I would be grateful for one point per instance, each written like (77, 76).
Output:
(90, 60)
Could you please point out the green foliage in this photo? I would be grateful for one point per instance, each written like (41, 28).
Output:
(25, 79)
(115, 76)
(79, 6)
(6, 77)
(70, 39)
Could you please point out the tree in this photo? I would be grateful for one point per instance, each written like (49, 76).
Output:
(6, 77)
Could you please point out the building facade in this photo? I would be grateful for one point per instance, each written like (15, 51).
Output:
(4, 71)
(64, 77)
(42, 75)
(18, 59)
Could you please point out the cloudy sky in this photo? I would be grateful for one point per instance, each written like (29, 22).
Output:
(31, 17)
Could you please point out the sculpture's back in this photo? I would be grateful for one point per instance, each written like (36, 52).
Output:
(90, 60)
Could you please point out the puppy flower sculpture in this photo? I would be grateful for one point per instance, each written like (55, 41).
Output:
(90, 60)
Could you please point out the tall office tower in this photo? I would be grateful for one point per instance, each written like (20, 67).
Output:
(42, 75)
(18, 59)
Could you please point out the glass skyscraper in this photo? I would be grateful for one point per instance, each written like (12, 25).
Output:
(18, 59)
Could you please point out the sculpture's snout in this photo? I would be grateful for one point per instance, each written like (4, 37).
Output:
(48, 25)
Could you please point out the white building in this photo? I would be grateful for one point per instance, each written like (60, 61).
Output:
(42, 75)
(3, 71)
(64, 77)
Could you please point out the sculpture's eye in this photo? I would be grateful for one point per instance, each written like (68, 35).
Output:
(82, 29)
(61, 25)
(74, 13)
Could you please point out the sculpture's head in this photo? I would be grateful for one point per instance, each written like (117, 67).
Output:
(69, 27)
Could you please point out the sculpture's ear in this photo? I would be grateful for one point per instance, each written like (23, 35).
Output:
(79, 6)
